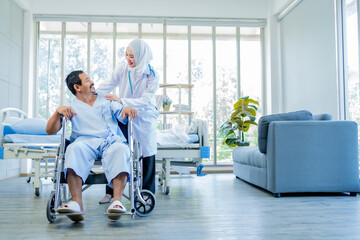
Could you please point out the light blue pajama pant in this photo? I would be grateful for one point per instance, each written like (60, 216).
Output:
(115, 158)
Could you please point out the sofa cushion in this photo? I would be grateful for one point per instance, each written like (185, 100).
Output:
(263, 125)
(324, 116)
(249, 156)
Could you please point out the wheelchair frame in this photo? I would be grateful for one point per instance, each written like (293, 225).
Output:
(142, 201)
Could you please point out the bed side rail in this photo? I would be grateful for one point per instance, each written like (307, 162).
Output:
(5, 115)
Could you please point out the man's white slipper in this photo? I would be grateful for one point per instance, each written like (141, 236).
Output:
(73, 208)
(116, 207)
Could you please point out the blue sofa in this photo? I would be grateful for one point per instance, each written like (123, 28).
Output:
(301, 153)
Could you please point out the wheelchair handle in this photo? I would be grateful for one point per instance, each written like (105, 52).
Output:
(63, 126)
(130, 134)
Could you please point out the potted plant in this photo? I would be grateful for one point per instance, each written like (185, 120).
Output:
(242, 117)
(166, 103)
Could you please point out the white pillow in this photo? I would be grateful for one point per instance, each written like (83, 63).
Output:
(34, 126)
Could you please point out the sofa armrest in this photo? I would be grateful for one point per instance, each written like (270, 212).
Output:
(312, 156)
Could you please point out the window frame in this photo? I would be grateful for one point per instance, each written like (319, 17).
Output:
(187, 22)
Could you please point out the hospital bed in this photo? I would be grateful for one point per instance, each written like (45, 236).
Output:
(20, 139)
(189, 155)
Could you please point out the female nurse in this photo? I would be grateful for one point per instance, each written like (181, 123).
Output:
(138, 81)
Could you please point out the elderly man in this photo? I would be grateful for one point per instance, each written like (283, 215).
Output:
(95, 134)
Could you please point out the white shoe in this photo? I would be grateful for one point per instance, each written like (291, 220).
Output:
(74, 208)
(116, 207)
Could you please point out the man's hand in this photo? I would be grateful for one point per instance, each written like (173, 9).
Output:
(66, 111)
(128, 111)
(113, 97)
(54, 123)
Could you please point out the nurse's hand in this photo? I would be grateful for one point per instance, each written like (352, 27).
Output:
(113, 97)
(66, 111)
(128, 111)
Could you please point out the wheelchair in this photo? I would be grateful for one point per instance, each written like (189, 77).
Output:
(142, 201)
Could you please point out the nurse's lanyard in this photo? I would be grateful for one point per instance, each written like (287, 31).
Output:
(151, 70)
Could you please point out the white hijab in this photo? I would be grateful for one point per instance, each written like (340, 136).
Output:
(143, 55)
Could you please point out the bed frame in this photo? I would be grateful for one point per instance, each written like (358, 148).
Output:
(190, 155)
(42, 154)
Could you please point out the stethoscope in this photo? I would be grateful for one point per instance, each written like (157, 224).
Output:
(151, 70)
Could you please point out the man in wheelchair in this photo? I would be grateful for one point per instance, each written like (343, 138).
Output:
(95, 134)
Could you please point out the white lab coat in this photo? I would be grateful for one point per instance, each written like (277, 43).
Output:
(142, 97)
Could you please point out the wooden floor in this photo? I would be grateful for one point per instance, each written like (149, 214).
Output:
(216, 206)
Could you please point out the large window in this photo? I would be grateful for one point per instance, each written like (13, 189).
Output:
(153, 35)
(250, 70)
(351, 71)
(49, 68)
(76, 49)
(222, 63)
(125, 32)
(101, 51)
(202, 78)
(226, 83)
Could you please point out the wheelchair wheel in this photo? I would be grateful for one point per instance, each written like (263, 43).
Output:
(144, 210)
(50, 208)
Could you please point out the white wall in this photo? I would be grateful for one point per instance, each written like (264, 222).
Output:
(273, 97)
(278, 5)
(11, 52)
(308, 58)
(184, 8)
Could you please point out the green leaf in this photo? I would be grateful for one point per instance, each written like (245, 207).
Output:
(227, 137)
(225, 127)
(247, 101)
(251, 122)
(254, 107)
(242, 117)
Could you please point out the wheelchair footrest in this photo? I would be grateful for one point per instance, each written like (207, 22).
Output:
(117, 214)
(67, 214)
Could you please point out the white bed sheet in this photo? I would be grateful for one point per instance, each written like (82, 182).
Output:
(25, 138)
